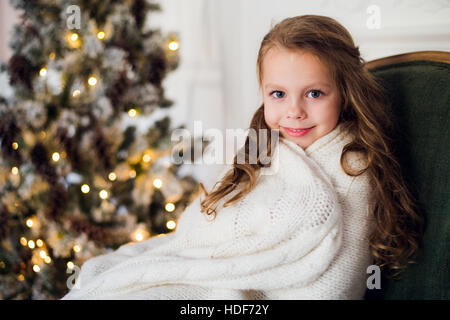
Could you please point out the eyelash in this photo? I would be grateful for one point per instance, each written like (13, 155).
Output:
(321, 93)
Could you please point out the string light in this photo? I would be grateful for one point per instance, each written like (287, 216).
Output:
(47, 259)
(77, 248)
(70, 265)
(76, 93)
(171, 224)
(92, 81)
(15, 145)
(139, 236)
(23, 241)
(15, 170)
(101, 35)
(157, 183)
(55, 156)
(52, 56)
(170, 207)
(36, 268)
(73, 40)
(146, 158)
(29, 223)
(132, 173)
(43, 72)
(132, 113)
(43, 254)
(31, 244)
(112, 176)
(85, 188)
(103, 194)
(173, 45)
(39, 243)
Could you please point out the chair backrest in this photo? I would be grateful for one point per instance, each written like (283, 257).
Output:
(418, 85)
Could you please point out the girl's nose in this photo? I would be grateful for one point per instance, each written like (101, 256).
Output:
(295, 111)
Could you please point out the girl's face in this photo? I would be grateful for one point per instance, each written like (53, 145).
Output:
(298, 93)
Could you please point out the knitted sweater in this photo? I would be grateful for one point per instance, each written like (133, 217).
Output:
(301, 233)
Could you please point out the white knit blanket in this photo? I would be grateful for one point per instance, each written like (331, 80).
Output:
(283, 234)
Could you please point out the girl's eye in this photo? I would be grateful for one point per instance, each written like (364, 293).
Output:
(278, 94)
(315, 94)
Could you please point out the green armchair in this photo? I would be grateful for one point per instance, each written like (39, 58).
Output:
(418, 84)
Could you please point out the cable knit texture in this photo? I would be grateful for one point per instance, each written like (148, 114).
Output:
(301, 233)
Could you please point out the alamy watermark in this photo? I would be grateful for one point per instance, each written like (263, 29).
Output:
(220, 146)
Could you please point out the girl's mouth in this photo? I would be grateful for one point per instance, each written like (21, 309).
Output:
(296, 132)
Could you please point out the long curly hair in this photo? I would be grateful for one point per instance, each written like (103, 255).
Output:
(399, 227)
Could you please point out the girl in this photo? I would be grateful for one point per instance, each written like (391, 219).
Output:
(309, 229)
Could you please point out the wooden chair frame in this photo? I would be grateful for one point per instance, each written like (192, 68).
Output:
(438, 56)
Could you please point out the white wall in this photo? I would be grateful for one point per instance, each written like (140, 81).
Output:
(216, 81)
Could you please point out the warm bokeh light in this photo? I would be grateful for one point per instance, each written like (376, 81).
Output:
(157, 183)
(15, 145)
(171, 224)
(55, 156)
(15, 170)
(43, 72)
(132, 113)
(101, 35)
(174, 45)
(31, 244)
(112, 176)
(29, 223)
(85, 188)
(170, 207)
(92, 81)
(103, 194)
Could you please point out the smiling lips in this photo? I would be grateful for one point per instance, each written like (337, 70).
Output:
(293, 132)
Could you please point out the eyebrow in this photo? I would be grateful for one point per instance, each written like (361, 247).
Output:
(308, 86)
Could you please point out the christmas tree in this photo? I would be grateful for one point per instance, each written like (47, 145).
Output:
(77, 176)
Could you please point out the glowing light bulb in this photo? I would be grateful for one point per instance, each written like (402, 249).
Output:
(39, 243)
(55, 156)
(157, 183)
(112, 176)
(132, 173)
(43, 72)
(31, 244)
(103, 194)
(173, 45)
(92, 81)
(101, 35)
(23, 241)
(77, 248)
(170, 207)
(76, 93)
(132, 113)
(36, 268)
(70, 265)
(146, 158)
(85, 188)
(171, 224)
(139, 236)
(42, 254)
(15, 145)
(29, 223)
(47, 259)
(74, 37)
(15, 170)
